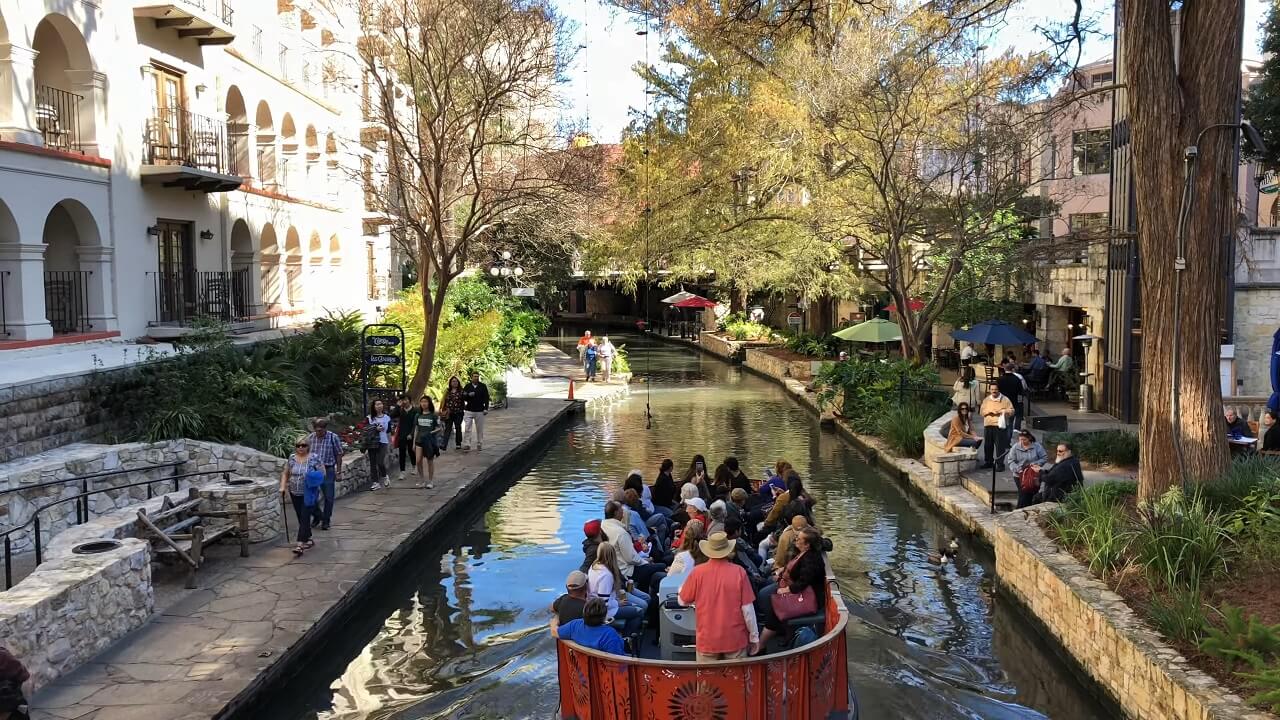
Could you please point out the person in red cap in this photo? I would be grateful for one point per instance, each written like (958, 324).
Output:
(594, 537)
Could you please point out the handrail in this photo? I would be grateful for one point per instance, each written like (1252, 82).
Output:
(93, 476)
(35, 515)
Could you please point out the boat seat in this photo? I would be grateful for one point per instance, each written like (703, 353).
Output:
(817, 621)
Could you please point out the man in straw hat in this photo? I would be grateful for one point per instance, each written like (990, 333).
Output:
(726, 619)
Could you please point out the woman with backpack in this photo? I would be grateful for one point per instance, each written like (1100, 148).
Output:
(426, 437)
(592, 357)
(301, 480)
(376, 441)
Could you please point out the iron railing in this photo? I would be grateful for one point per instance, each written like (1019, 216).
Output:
(82, 511)
(66, 300)
(222, 7)
(183, 297)
(58, 118)
(178, 137)
(4, 308)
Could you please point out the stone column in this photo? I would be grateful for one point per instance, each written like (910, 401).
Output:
(18, 94)
(241, 260)
(251, 147)
(100, 262)
(24, 291)
(91, 86)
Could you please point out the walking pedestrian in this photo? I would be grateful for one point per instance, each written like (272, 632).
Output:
(327, 447)
(475, 404)
(592, 354)
(1011, 386)
(997, 412)
(402, 429)
(582, 349)
(300, 472)
(376, 443)
(606, 352)
(426, 438)
(451, 413)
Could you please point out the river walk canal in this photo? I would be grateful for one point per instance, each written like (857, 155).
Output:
(463, 634)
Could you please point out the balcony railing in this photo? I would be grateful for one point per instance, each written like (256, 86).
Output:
(58, 118)
(182, 297)
(66, 300)
(221, 7)
(179, 137)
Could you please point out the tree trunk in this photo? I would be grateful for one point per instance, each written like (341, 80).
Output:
(432, 306)
(1169, 106)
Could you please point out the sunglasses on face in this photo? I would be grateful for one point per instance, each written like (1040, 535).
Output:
(302, 445)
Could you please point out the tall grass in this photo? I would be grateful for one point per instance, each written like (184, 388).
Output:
(1106, 447)
(1243, 477)
(1182, 543)
(1093, 520)
(903, 426)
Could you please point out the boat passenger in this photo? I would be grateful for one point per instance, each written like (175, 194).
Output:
(595, 536)
(635, 481)
(568, 607)
(634, 566)
(694, 509)
(664, 489)
(786, 542)
(697, 475)
(795, 491)
(688, 553)
(604, 580)
(687, 493)
(592, 632)
(718, 512)
(744, 556)
(737, 478)
(725, 625)
(737, 505)
(805, 572)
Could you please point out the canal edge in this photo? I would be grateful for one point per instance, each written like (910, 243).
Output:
(288, 663)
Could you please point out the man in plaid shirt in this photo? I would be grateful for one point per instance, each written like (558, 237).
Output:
(327, 447)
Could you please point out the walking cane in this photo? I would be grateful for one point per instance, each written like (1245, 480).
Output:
(284, 513)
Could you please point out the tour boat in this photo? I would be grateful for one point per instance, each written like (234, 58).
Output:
(810, 682)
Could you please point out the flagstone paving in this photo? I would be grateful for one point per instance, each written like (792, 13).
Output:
(208, 650)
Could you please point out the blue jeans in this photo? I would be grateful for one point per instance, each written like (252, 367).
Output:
(629, 619)
(330, 490)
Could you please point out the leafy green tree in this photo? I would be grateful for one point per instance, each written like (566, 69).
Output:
(1262, 102)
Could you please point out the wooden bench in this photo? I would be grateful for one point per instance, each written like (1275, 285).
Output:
(179, 532)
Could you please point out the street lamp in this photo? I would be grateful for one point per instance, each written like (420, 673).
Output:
(506, 266)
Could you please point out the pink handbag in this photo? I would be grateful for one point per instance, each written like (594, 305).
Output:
(790, 605)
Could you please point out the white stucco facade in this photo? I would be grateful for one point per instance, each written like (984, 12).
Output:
(163, 161)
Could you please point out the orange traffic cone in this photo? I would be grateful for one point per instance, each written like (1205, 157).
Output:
(570, 388)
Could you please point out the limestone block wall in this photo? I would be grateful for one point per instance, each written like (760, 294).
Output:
(946, 466)
(73, 607)
(261, 497)
(40, 416)
(1149, 679)
(778, 368)
(1257, 319)
(719, 346)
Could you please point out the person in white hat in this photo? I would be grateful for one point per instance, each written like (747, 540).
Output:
(726, 619)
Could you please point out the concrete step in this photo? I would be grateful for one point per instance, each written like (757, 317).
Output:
(1006, 496)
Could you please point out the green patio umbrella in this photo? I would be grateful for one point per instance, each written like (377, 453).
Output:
(876, 330)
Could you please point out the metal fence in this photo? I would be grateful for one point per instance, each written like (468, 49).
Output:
(66, 300)
(58, 118)
(183, 297)
(179, 137)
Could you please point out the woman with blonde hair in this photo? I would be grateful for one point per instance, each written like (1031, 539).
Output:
(604, 580)
(689, 553)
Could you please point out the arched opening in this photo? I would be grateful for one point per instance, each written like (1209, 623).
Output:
(270, 281)
(331, 179)
(314, 168)
(65, 85)
(266, 139)
(334, 274)
(10, 312)
(238, 132)
(68, 305)
(293, 266)
(317, 274)
(244, 269)
(288, 154)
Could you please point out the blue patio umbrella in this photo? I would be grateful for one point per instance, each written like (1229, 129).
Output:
(994, 332)
(1274, 402)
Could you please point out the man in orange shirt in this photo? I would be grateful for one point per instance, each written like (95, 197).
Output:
(583, 342)
(725, 628)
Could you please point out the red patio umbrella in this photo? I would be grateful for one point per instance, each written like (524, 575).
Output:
(914, 305)
(696, 302)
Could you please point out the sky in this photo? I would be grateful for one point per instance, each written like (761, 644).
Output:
(603, 89)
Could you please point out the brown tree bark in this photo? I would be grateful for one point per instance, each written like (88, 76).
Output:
(432, 306)
(1170, 102)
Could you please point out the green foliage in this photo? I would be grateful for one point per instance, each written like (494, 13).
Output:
(870, 387)
(1241, 639)
(1243, 477)
(1262, 101)
(1181, 542)
(1267, 683)
(1255, 523)
(970, 309)
(1106, 447)
(1093, 520)
(903, 426)
(1179, 614)
(621, 359)
(812, 345)
(742, 330)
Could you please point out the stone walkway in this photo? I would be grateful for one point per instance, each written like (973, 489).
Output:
(553, 370)
(207, 651)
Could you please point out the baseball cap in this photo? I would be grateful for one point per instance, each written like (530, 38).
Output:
(576, 579)
(591, 528)
(698, 503)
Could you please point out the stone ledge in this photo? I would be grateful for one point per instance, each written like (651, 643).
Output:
(946, 466)
(1146, 677)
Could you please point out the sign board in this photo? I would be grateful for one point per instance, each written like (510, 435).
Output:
(794, 319)
(386, 382)
(521, 292)
(1269, 184)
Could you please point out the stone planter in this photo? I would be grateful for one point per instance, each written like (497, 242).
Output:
(261, 496)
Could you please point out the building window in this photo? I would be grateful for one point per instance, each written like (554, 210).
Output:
(1091, 151)
(255, 47)
(1101, 79)
(1086, 229)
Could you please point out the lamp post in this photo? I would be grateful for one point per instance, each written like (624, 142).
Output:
(505, 266)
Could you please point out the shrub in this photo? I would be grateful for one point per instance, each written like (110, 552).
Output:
(1093, 520)
(621, 359)
(1179, 614)
(902, 427)
(1267, 682)
(1181, 542)
(1242, 478)
(1106, 447)
(812, 345)
(742, 330)
(1241, 639)
(1255, 523)
(870, 387)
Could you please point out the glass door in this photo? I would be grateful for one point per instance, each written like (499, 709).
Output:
(175, 294)
(169, 122)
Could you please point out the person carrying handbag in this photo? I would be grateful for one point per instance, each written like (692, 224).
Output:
(1025, 460)
(799, 589)
(302, 480)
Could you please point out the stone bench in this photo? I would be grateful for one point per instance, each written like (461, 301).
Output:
(946, 466)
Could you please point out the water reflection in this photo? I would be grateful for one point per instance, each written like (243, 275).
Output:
(464, 637)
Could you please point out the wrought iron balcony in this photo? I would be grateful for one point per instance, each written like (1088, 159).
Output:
(208, 21)
(58, 118)
(183, 297)
(190, 151)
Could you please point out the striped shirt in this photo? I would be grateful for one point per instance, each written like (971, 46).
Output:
(327, 449)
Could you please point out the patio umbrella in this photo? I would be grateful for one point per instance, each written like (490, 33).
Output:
(1274, 402)
(696, 302)
(876, 330)
(913, 304)
(994, 332)
(682, 295)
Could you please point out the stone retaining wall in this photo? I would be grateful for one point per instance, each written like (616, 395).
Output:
(1148, 679)
(777, 368)
(75, 606)
(719, 346)
(40, 416)
(946, 466)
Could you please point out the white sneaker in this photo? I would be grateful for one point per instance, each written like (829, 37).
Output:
(375, 486)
